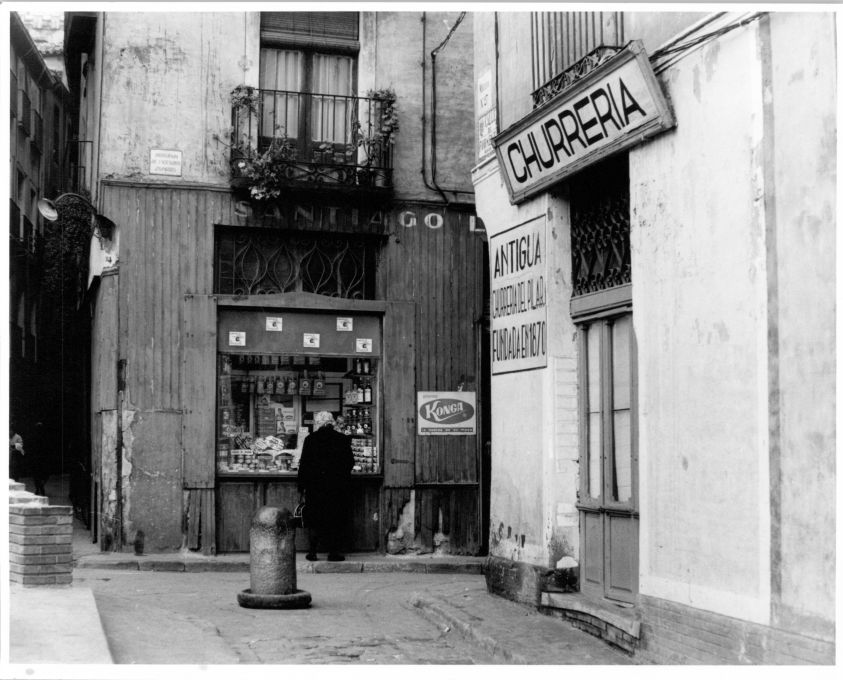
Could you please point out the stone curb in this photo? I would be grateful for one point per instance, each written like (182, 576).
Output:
(320, 567)
(440, 613)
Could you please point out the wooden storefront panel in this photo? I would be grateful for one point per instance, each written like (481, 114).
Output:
(236, 505)
(399, 394)
(237, 502)
(393, 503)
(453, 511)
(201, 522)
(199, 391)
(437, 261)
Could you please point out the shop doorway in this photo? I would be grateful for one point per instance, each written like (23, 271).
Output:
(601, 306)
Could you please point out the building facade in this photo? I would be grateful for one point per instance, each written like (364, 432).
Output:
(660, 205)
(293, 233)
(37, 132)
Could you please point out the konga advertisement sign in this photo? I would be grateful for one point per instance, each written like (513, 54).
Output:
(446, 413)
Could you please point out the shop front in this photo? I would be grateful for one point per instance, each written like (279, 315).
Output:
(275, 369)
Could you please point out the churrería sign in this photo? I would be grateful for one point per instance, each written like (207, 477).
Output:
(616, 106)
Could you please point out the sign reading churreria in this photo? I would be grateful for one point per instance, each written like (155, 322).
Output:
(447, 413)
(519, 315)
(614, 107)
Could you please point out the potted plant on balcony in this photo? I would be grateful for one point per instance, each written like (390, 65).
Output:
(376, 140)
(266, 172)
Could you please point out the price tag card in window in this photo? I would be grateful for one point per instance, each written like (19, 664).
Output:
(345, 323)
(237, 338)
(274, 323)
(364, 345)
(311, 339)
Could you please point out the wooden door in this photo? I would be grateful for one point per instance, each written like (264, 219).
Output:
(609, 463)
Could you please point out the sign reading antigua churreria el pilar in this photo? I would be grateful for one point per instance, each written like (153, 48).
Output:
(614, 107)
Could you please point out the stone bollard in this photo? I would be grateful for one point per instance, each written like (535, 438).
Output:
(272, 562)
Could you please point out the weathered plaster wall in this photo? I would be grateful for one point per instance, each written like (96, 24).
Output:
(515, 79)
(802, 122)
(700, 298)
(534, 428)
(392, 50)
(656, 28)
(167, 79)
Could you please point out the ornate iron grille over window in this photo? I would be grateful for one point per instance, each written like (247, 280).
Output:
(259, 262)
(600, 227)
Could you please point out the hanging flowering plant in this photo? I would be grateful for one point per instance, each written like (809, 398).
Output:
(266, 171)
(245, 98)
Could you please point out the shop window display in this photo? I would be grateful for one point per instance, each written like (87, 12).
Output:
(266, 404)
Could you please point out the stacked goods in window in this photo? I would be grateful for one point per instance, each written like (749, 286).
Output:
(365, 454)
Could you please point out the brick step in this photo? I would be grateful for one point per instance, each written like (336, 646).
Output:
(26, 498)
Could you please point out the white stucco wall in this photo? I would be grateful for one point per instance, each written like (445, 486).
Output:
(704, 204)
(803, 116)
(534, 413)
(164, 71)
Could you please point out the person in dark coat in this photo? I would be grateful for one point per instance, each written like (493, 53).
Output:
(324, 477)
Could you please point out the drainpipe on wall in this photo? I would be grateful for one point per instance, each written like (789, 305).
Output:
(434, 186)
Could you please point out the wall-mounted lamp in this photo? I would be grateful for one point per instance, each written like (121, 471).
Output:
(101, 226)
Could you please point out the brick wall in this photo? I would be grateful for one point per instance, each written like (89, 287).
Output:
(678, 634)
(40, 536)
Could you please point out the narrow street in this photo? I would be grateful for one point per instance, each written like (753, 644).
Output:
(155, 618)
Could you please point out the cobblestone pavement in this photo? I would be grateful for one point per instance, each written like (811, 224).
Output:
(155, 618)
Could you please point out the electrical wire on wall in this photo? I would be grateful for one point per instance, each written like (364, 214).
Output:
(677, 50)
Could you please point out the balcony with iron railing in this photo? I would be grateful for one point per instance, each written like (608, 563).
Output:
(294, 141)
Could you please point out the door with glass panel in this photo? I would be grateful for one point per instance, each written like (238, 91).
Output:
(609, 467)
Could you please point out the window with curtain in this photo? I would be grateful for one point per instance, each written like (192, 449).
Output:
(308, 97)
(308, 71)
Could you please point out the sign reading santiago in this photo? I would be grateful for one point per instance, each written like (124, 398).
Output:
(518, 306)
(447, 413)
(612, 108)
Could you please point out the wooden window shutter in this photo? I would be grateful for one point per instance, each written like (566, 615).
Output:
(199, 388)
(311, 29)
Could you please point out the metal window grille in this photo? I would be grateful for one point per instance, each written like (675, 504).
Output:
(255, 262)
(600, 227)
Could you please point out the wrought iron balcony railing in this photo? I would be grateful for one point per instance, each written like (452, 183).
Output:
(300, 140)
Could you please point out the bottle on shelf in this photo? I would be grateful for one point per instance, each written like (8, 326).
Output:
(367, 393)
(358, 366)
(366, 366)
(360, 393)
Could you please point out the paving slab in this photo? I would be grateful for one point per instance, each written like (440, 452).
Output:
(55, 625)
